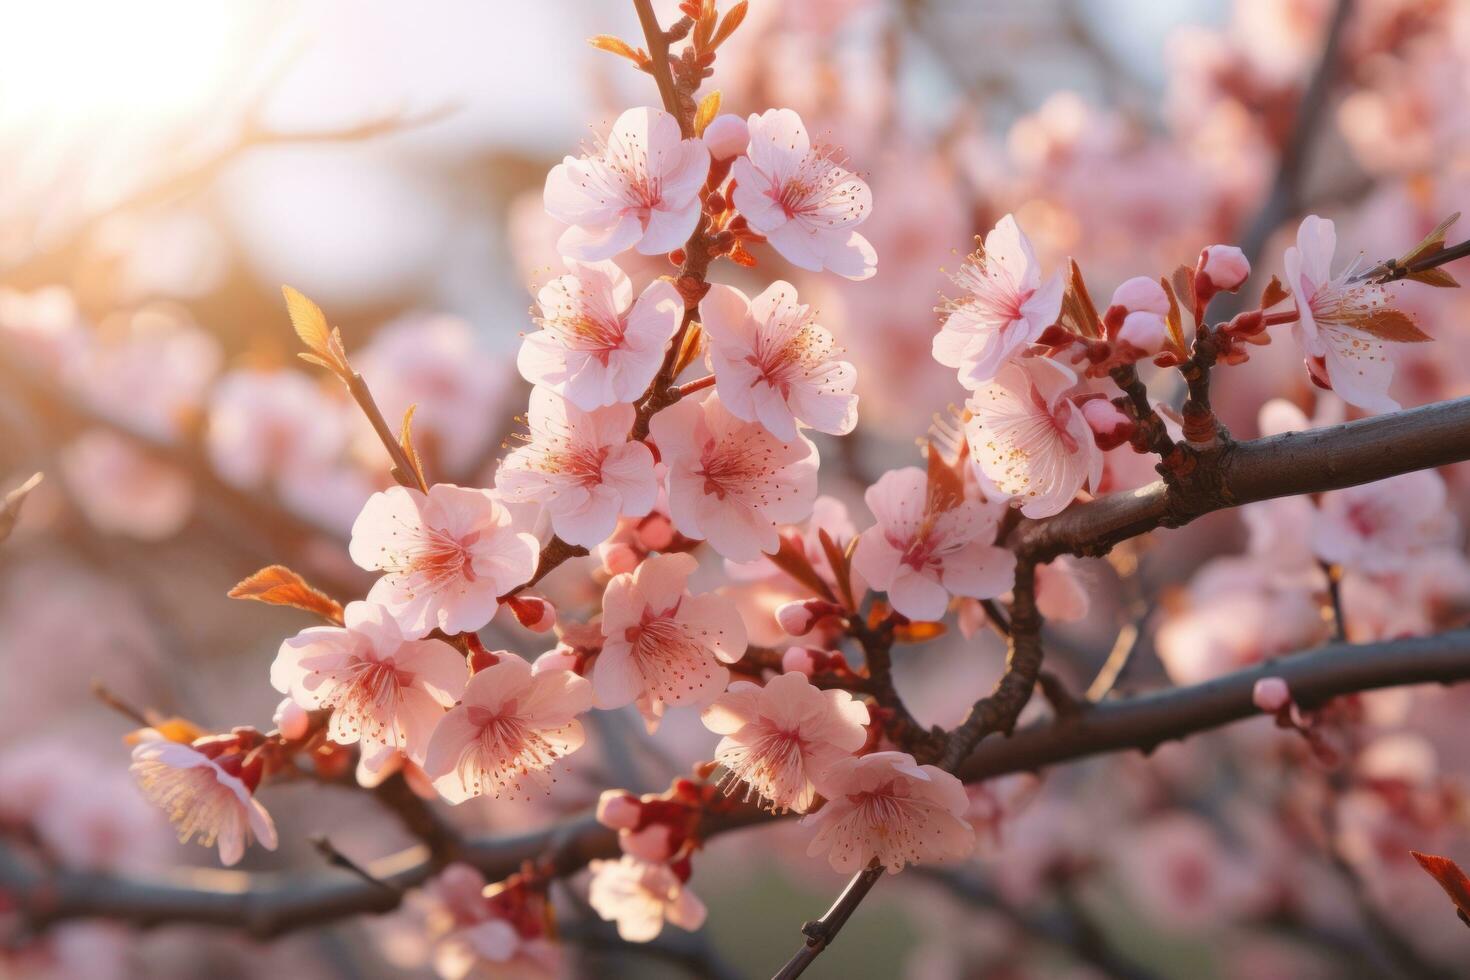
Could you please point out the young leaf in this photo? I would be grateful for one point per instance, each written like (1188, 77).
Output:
(1273, 293)
(709, 107)
(1436, 276)
(1174, 321)
(945, 488)
(277, 585)
(1079, 315)
(10, 506)
(1449, 876)
(839, 560)
(1391, 325)
(693, 346)
(619, 47)
(311, 326)
(792, 560)
(918, 632)
(1432, 242)
(405, 439)
(732, 20)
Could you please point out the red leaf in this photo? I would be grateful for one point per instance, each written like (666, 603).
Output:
(1454, 881)
(277, 585)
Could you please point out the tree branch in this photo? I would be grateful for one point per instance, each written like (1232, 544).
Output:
(1293, 463)
(266, 905)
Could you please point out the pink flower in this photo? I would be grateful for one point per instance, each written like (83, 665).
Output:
(1005, 307)
(384, 691)
(582, 467)
(885, 806)
(773, 362)
(203, 797)
(1029, 439)
(641, 188)
(596, 346)
(640, 897)
(513, 724)
(924, 550)
(801, 199)
(1382, 527)
(446, 556)
(123, 490)
(781, 738)
(662, 642)
(732, 482)
(270, 427)
(1333, 313)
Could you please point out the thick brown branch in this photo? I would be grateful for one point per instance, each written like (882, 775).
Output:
(268, 905)
(1281, 466)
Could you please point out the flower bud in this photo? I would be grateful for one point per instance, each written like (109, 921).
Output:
(1142, 294)
(1221, 269)
(654, 843)
(533, 612)
(291, 719)
(797, 618)
(799, 660)
(561, 658)
(656, 532)
(1144, 330)
(618, 809)
(1110, 427)
(727, 135)
(618, 558)
(1271, 694)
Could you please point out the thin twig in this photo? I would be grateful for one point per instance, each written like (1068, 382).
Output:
(337, 859)
(820, 933)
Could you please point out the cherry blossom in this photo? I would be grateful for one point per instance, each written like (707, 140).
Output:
(446, 556)
(205, 797)
(662, 642)
(732, 482)
(1336, 318)
(774, 364)
(926, 548)
(1030, 440)
(1004, 309)
(582, 467)
(1382, 527)
(514, 722)
(801, 199)
(384, 691)
(640, 897)
(596, 345)
(485, 932)
(640, 188)
(780, 738)
(886, 807)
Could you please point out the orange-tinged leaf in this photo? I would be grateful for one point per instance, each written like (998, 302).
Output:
(11, 504)
(1183, 282)
(693, 347)
(1453, 880)
(1391, 325)
(619, 47)
(311, 326)
(279, 586)
(732, 20)
(1079, 314)
(838, 559)
(709, 107)
(405, 440)
(877, 613)
(918, 632)
(945, 488)
(1174, 321)
(174, 728)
